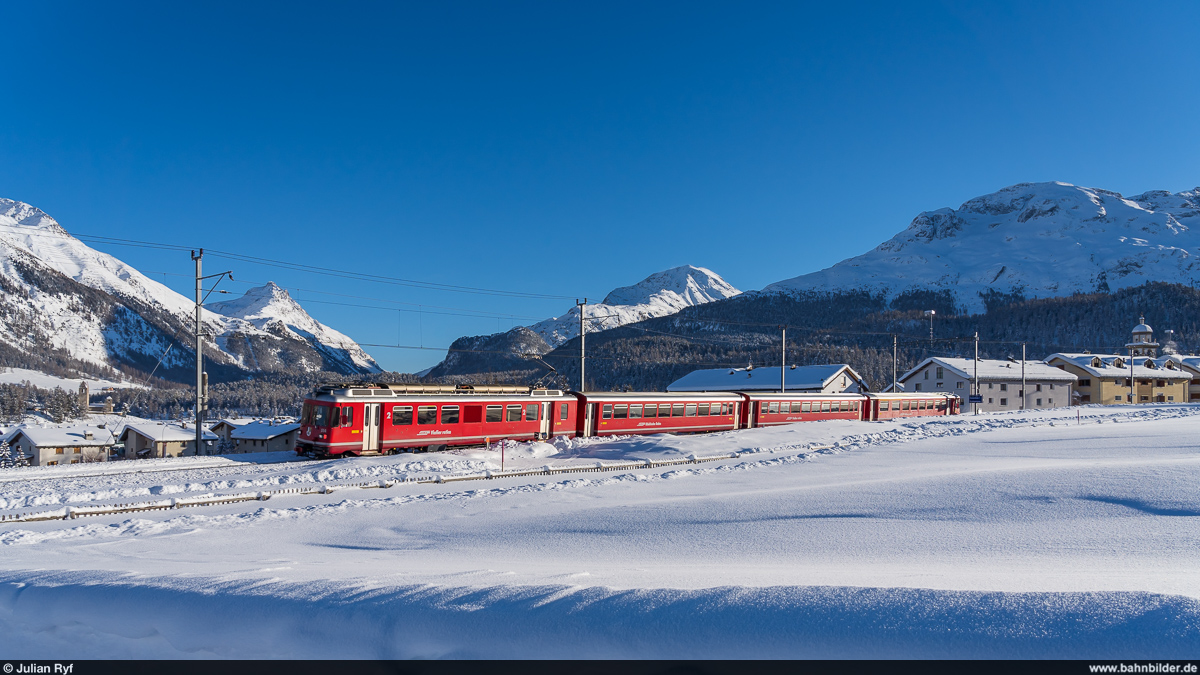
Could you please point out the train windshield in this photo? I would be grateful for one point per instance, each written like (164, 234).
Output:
(318, 416)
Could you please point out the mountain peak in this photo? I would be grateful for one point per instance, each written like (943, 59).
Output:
(1036, 239)
(19, 214)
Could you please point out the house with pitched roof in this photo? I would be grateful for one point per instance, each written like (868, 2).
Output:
(53, 446)
(1000, 382)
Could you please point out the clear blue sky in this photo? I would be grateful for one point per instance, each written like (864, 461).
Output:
(565, 149)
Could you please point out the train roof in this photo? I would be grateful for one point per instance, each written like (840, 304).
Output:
(395, 392)
(797, 396)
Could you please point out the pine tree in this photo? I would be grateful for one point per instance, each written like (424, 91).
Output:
(21, 459)
(6, 459)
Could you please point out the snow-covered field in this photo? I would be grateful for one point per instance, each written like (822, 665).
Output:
(1016, 535)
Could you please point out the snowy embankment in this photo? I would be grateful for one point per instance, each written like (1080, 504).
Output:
(1022, 535)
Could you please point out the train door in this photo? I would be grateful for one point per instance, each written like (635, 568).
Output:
(589, 418)
(547, 415)
(370, 427)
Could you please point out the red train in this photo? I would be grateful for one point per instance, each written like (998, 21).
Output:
(369, 419)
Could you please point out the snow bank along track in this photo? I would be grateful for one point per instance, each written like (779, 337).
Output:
(72, 512)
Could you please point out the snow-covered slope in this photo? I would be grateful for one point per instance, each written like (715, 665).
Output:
(62, 294)
(269, 308)
(657, 295)
(1039, 239)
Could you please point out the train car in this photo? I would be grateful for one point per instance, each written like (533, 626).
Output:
(609, 413)
(763, 409)
(891, 406)
(361, 419)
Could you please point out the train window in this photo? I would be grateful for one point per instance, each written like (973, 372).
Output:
(854, 406)
(635, 411)
(495, 413)
(347, 417)
(772, 407)
(664, 409)
(401, 415)
(795, 407)
(621, 412)
(845, 406)
(449, 414)
(427, 414)
(651, 410)
(690, 410)
(531, 412)
(904, 405)
(306, 413)
(513, 413)
(607, 411)
(677, 410)
(824, 406)
(805, 407)
(563, 411)
(472, 414)
(320, 416)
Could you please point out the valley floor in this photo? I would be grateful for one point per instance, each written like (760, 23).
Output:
(1072, 533)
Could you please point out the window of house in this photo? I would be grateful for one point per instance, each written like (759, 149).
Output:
(918, 387)
(1049, 401)
(449, 414)
(51, 463)
(1144, 398)
(635, 411)
(1003, 401)
(427, 414)
(990, 399)
(1159, 383)
(939, 372)
(1037, 387)
(74, 461)
(621, 412)
(1118, 398)
(1051, 387)
(58, 451)
(1003, 387)
(1170, 398)
(690, 410)
(402, 415)
(677, 410)
(563, 411)
(495, 413)
(1039, 402)
(1084, 383)
(958, 385)
(927, 373)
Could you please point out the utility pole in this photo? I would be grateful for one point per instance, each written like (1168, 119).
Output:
(895, 388)
(199, 353)
(1023, 376)
(977, 370)
(929, 313)
(783, 363)
(582, 352)
(1131, 382)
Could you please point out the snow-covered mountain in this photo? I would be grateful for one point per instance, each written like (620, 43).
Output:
(1036, 239)
(659, 294)
(61, 294)
(270, 309)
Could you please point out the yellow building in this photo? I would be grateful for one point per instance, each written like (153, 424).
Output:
(1139, 377)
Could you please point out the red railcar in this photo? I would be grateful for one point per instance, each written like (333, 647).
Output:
(770, 409)
(609, 413)
(891, 406)
(385, 419)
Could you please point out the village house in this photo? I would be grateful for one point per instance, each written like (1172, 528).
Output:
(834, 378)
(265, 436)
(1139, 377)
(1189, 364)
(52, 446)
(999, 382)
(144, 440)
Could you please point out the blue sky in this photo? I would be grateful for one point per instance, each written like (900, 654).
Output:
(565, 149)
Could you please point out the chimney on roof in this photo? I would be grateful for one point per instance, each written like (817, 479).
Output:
(87, 434)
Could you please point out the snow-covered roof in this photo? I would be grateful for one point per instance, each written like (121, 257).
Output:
(1191, 362)
(166, 432)
(994, 370)
(263, 430)
(235, 422)
(765, 378)
(1115, 365)
(67, 436)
